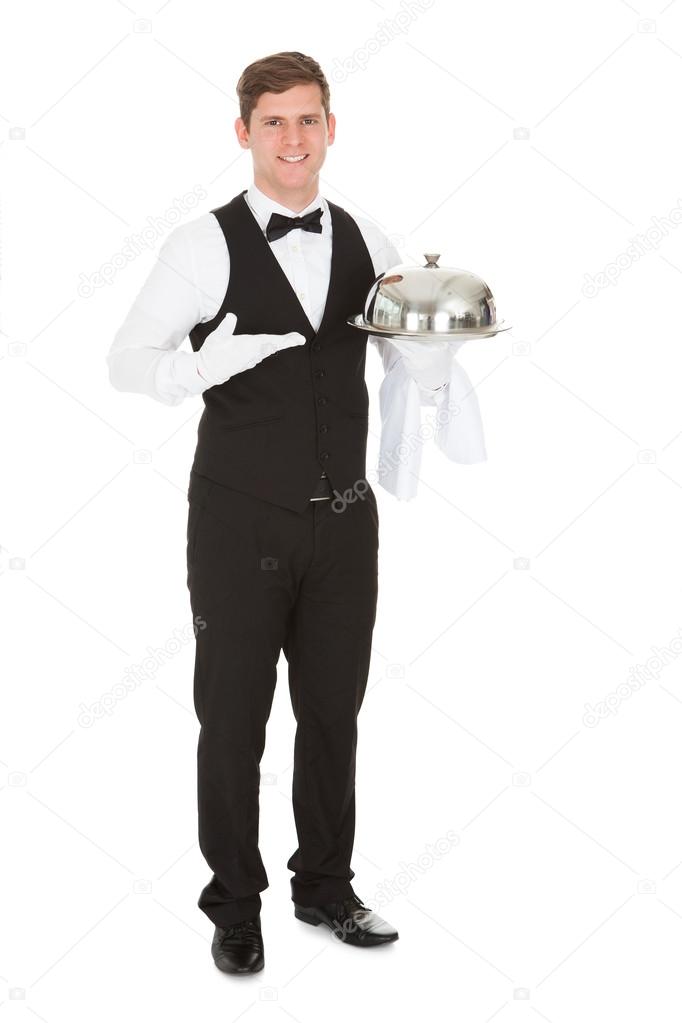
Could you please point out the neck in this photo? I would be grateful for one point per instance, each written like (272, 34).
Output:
(295, 200)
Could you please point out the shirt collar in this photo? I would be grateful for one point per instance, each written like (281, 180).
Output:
(263, 206)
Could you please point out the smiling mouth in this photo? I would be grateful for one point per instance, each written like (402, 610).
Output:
(295, 159)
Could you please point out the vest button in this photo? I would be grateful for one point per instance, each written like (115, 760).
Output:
(319, 373)
(324, 428)
(321, 401)
(324, 454)
(316, 347)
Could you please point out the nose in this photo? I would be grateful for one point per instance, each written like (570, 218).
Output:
(292, 134)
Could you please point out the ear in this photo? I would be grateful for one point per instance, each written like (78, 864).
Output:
(242, 133)
(331, 129)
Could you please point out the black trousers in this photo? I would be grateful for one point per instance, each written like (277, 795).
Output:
(262, 579)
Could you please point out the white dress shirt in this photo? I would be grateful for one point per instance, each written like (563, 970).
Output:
(187, 286)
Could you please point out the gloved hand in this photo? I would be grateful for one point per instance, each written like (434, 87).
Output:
(427, 362)
(225, 353)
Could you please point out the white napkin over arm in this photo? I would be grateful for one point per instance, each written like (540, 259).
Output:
(457, 429)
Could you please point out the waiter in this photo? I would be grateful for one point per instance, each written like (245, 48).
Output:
(282, 537)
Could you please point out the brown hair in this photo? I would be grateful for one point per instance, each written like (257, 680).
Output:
(277, 73)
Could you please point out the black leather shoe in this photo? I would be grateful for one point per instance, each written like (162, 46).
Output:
(239, 948)
(350, 921)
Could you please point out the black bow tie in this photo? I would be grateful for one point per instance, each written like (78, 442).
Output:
(279, 225)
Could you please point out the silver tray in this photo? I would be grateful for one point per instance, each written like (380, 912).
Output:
(454, 335)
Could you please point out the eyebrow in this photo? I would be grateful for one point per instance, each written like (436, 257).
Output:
(280, 117)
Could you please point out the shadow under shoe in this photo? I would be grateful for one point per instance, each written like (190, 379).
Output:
(350, 921)
(239, 947)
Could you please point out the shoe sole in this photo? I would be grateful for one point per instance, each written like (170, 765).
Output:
(240, 973)
(309, 916)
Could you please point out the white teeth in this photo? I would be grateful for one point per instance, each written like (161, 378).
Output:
(293, 159)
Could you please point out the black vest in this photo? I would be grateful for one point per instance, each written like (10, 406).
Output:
(273, 429)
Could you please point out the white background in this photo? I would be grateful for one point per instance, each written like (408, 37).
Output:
(531, 143)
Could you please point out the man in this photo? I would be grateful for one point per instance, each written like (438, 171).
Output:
(282, 537)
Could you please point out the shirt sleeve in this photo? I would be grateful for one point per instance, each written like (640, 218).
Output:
(144, 357)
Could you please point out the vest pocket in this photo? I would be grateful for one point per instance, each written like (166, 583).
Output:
(251, 422)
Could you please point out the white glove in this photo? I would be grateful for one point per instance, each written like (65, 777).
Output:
(428, 362)
(225, 353)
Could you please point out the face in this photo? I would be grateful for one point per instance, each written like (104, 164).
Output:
(290, 123)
